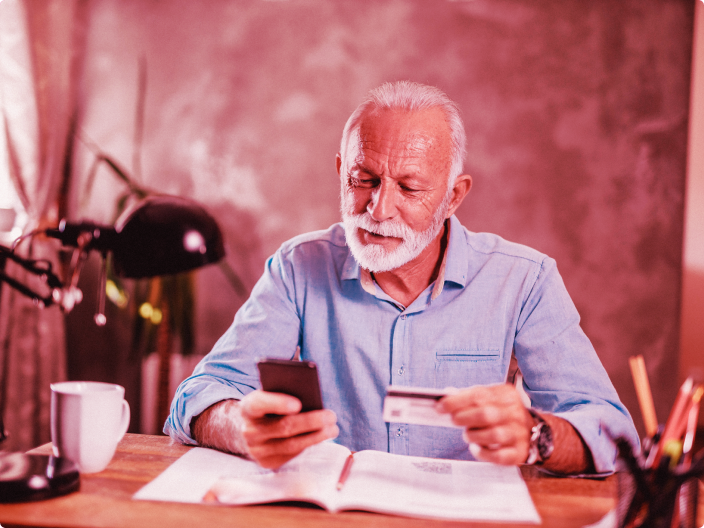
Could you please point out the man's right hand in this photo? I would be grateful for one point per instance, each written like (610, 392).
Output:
(247, 427)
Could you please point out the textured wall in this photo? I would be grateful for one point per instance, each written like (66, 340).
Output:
(692, 334)
(576, 114)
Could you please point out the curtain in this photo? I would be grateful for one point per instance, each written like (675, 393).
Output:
(42, 43)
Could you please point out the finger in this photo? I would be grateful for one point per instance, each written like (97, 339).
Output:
(260, 430)
(482, 417)
(479, 396)
(290, 447)
(260, 403)
(494, 437)
(277, 452)
(504, 455)
(494, 416)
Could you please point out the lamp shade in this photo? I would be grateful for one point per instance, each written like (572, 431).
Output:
(163, 235)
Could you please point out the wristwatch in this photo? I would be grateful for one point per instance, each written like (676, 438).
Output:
(541, 441)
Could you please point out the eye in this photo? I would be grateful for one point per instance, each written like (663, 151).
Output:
(362, 183)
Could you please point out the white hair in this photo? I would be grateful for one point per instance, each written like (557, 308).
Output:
(411, 96)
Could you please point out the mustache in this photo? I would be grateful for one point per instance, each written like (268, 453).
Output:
(388, 228)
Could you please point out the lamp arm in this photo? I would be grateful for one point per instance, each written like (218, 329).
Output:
(84, 235)
(37, 298)
(41, 268)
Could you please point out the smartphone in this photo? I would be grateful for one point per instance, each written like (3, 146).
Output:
(297, 378)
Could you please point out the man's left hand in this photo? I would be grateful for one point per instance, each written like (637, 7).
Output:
(497, 424)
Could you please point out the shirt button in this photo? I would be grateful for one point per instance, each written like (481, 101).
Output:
(399, 433)
(403, 317)
(400, 371)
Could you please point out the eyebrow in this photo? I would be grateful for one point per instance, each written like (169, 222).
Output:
(358, 168)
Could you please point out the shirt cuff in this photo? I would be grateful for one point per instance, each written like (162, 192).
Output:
(192, 399)
(599, 426)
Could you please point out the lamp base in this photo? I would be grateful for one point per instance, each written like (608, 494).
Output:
(35, 477)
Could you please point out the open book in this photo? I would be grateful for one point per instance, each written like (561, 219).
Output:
(377, 481)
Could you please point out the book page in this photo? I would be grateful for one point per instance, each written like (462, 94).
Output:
(308, 477)
(235, 480)
(191, 476)
(378, 481)
(437, 488)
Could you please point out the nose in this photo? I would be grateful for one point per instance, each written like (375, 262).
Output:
(382, 206)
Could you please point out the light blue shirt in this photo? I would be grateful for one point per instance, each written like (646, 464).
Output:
(495, 298)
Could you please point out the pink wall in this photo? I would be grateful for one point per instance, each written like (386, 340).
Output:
(576, 114)
(692, 333)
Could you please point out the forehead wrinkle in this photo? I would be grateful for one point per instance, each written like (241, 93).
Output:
(383, 145)
(414, 144)
(405, 156)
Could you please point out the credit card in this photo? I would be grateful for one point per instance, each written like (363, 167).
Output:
(415, 405)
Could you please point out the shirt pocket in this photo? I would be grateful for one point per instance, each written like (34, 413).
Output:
(467, 355)
(465, 368)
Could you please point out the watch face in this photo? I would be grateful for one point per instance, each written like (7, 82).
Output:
(545, 442)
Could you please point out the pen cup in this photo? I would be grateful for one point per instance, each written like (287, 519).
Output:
(687, 502)
(625, 494)
(668, 505)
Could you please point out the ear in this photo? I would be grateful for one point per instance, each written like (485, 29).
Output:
(460, 190)
(338, 162)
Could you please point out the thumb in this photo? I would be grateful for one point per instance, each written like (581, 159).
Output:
(259, 403)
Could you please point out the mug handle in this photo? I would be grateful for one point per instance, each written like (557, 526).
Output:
(125, 423)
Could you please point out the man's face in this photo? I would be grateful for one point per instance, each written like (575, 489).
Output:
(394, 196)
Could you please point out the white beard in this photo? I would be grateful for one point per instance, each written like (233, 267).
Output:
(375, 257)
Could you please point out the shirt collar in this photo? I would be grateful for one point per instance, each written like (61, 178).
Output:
(351, 270)
(440, 281)
(457, 254)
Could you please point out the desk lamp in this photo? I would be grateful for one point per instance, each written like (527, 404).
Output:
(159, 235)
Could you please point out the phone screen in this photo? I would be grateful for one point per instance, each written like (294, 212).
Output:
(297, 378)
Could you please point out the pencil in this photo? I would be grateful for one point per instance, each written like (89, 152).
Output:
(692, 418)
(676, 425)
(645, 397)
(345, 472)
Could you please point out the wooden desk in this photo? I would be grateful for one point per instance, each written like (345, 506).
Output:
(105, 500)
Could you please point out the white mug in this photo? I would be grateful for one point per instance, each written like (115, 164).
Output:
(88, 419)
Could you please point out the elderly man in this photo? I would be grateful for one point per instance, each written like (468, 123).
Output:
(401, 293)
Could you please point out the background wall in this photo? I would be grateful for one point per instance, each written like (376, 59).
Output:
(692, 334)
(576, 116)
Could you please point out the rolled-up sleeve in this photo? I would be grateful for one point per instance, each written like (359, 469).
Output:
(562, 373)
(267, 325)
